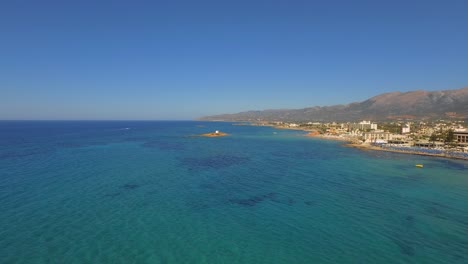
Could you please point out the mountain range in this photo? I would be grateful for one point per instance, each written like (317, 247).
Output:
(384, 107)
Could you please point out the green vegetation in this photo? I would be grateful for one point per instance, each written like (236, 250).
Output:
(391, 127)
(433, 138)
(450, 136)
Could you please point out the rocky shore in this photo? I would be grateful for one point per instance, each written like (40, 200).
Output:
(214, 134)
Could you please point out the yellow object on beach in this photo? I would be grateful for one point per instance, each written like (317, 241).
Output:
(419, 165)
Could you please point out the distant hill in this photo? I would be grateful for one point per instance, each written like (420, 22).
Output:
(388, 106)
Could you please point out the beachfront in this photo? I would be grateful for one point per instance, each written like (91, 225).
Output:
(366, 136)
(412, 150)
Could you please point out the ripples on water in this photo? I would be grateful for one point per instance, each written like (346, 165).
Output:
(86, 192)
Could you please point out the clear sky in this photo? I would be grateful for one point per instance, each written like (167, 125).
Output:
(185, 59)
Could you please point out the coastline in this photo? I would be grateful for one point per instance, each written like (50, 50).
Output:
(366, 146)
(329, 137)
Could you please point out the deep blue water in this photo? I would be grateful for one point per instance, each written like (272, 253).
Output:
(151, 192)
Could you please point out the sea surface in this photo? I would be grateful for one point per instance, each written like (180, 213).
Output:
(154, 192)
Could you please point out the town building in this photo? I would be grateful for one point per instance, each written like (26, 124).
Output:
(363, 126)
(405, 129)
(375, 136)
(461, 136)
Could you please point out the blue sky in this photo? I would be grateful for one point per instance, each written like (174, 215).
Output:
(186, 59)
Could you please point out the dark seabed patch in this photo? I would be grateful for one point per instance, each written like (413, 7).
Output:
(445, 212)
(410, 219)
(435, 212)
(213, 162)
(405, 246)
(440, 211)
(210, 186)
(406, 236)
(289, 201)
(112, 195)
(129, 186)
(256, 199)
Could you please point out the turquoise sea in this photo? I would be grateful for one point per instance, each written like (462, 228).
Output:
(151, 192)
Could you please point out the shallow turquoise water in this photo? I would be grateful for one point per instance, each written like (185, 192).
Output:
(149, 192)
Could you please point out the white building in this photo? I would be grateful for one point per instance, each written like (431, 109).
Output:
(405, 129)
(461, 136)
(377, 136)
(363, 126)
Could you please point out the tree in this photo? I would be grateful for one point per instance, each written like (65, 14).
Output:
(433, 138)
(450, 136)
